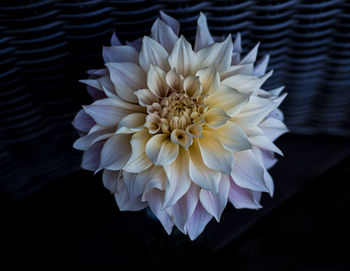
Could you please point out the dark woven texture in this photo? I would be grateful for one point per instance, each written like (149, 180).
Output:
(47, 45)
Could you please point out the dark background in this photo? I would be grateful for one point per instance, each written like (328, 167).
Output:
(53, 213)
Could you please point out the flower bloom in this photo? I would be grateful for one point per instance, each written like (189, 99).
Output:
(181, 130)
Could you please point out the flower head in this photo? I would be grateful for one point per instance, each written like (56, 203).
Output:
(182, 131)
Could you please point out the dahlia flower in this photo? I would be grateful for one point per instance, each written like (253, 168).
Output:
(181, 130)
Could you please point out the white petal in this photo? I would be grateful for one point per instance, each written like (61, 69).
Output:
(261, 66)
(184, 207)
(160, 150)
(192, 86)
(203, 36)
(210, 80)
(267, 177)
(120, 54)
(138, 161)
(246, 69)
(110, 180)
(242, 197)
(91, 157)
(214, 155)
(264, 143)
(200, 174)
(156, 81)
(178, 181)
(146, 97)
(87, 141)
(237, 44)
(182, 58)
(251, 56)
(163, 34)
(228, 99)
(215, 117)
(254, 112)
(215, 204)
(174, 80)
(269, 158)
(273, 128)
(134, 183)
(196, 224)
(156, 179)
(124, 202)
(131, 123)
(247, 172)
(246, 83)
(218, 55)
(232, 137)
(116, 152)
(277, 91)
(171, 22)
(127, 78)
(154, 198)
(276, 114)
(153, 53)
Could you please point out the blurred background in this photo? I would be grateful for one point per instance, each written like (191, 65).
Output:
(52, 211)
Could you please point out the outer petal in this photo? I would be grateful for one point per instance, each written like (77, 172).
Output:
(261, 66)
(163, 34)
(85, 142)
(83, 122)
(251, 56)
(215, 204)
(138, 161)
(200, 174)
(247, 172)
(127, 78)
(232, 137)
(203, 36)
(246, 83)
(214, 155)
(116, 152)
(196, 224)
(110, 180)
(242, 197)
(265, 143)
(160, 150)
(218, 55)
(153, 53)
(178, 181)
(269, 158)
(131, 123)
(273, 128)
(182, 58)
(173, 24)
(209, 79)
(184, 207)
(154, 198)
(120, 54)
(91, 157)
(124, 202)
(228, 99)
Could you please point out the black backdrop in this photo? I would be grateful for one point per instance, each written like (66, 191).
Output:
(47, 45)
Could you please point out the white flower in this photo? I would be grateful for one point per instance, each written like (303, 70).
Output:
(182, 131)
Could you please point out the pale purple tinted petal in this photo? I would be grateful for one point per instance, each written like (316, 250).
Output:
(91, 157)
(137, 44)
(251, 56)
(242, 197)
(83, 122)
(203, 36)
(114, 40)
(196, 224)
(110, 180)
(154, 199)
(124, 202)
(95, 93)
(120, 54)
(261, 66)
(170, 21)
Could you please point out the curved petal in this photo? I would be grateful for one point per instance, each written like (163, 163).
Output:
(233, 138)
(174, 80)
(127, 77)
(83, 122)
(160, 150)
(196, 224)
(131, 123)
(138, 161)
(199, 173)
(203, 36)
(192, 86)
(209, 79)
(269, 158)
(264, 143)
(247, 172)
(261, 66)
(85, 142)
(154, 199)
(217, 55)
(228, 99)
(242, 197)
(146, 97)
(156, 81)
(251, 56)
(215, 204)
(116, 152)
(184, 207)
(182, 58)
(214, 155)
(110, 180)
(163, 34)
(120, 54)
(178, 181)
(273, 128)
(153, 53)
(171, 22)
(216, 117)
(114, 40)
(91, 157)
(124, 202)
